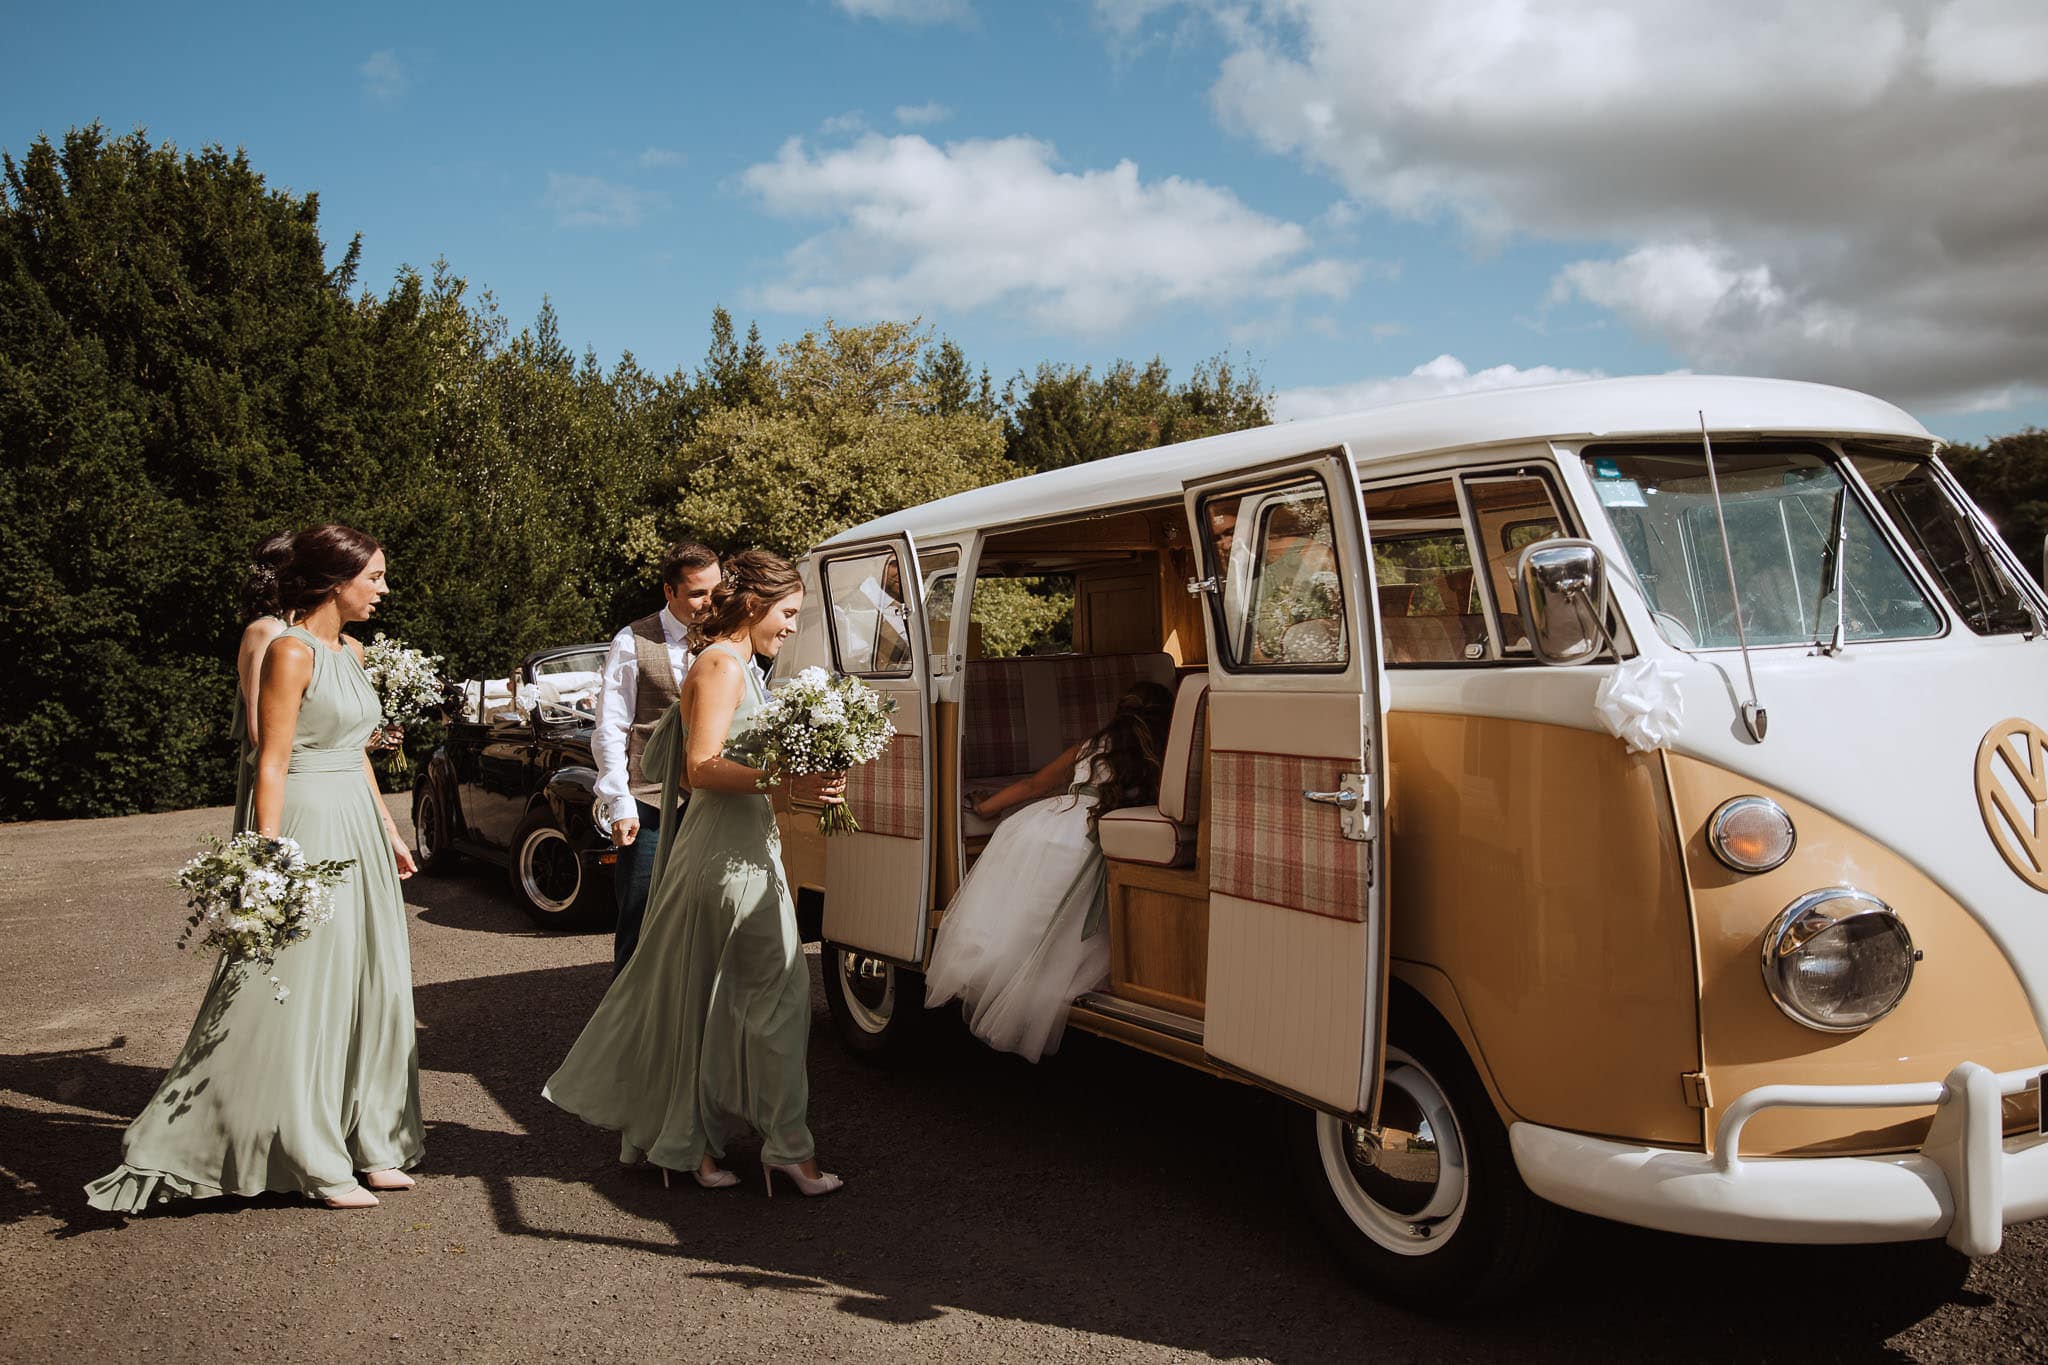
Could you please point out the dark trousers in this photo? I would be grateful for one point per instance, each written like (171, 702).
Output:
(630, 876)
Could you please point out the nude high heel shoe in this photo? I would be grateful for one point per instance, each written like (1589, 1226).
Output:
(357, 1198)
(809, 1188)
(717, 1180)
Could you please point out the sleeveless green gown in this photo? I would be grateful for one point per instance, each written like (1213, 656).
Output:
(298, 1096)
(704, 1035)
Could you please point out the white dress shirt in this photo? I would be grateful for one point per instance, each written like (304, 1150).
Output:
(615, 709)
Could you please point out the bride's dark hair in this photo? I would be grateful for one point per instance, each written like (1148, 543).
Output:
(259, 585)
(1124, 755)
(750, 582)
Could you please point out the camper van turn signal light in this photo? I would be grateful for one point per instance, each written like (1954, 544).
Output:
(1751, 834)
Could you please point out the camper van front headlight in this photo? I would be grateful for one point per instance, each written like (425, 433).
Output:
(1838, 960)
(1751, 834)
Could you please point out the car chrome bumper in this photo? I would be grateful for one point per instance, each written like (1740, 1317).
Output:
(1967, 1181)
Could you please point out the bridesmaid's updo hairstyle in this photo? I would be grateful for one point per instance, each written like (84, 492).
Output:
(754, 580)
(259, 588)
(322, 559)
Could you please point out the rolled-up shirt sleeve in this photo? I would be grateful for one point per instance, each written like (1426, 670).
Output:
(608, 741)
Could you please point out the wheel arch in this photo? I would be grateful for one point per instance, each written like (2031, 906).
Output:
(1425, 997)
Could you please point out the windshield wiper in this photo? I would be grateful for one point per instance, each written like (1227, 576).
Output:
(1833, 567)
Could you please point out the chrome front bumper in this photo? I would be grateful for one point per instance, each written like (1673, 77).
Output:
(1965, 1183)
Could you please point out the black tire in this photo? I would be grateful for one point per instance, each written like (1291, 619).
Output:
(550, 879)
(431, 830)
(1443, 1220)
(877, 1007)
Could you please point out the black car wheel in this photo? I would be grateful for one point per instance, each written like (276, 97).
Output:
(549, 877)
(877, 1007)
(430, 831)
(1434, 1214)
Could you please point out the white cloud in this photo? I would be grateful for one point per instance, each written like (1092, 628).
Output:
(1438, 378)
(853, 121)
(1849, 190)
(922, 115)
(907, 11)
(384, 77)
(913, 227)
(660, 159)
(593, 201)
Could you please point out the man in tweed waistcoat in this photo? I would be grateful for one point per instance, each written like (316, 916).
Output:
(643, 672)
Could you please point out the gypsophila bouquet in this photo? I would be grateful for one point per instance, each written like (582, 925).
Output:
(408, 684)
(253, 897)
(819, 722)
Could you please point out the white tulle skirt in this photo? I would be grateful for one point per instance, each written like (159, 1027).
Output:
(1015, 947)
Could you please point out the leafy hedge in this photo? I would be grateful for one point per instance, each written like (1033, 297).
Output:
(183, 372)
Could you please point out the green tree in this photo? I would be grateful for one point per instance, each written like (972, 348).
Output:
(1063, 415)
(180, 372)
(848, 432)
(2008, 478)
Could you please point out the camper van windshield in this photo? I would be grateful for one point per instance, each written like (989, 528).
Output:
(1789, 515)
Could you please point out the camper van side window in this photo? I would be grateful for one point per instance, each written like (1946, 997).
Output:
(1430, 606)
(941, 584)
(870, 622)
(1279, 595)
(1510, 512)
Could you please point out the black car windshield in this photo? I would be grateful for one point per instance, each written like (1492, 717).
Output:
(1789, 513)
(566, 685)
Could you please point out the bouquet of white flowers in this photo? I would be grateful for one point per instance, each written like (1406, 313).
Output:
(408, 683)
(820, 722)
(253, 897)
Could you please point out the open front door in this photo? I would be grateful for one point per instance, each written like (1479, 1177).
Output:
(1297, 786)
(877, 881)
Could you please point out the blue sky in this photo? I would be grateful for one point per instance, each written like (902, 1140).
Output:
(1366, 200)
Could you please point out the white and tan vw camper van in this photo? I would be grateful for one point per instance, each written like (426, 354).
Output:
(1624, 795)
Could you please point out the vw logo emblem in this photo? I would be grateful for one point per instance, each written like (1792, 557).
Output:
(2012, 794)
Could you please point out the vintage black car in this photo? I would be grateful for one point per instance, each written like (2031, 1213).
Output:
(514, 783)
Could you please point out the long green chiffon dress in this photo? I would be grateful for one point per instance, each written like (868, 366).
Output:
(300, 1095)
(704, 1034)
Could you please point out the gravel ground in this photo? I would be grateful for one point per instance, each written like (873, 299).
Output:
(1102, 1206)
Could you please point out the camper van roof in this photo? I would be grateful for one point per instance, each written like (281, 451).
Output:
(1608, 408)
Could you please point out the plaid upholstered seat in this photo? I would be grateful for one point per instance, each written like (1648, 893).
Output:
(1164, 835)
(1019, 713)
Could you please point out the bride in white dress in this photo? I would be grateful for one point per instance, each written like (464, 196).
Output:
(1024, 936)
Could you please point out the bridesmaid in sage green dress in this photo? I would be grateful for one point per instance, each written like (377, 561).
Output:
(704, 1034)
(301, 1094)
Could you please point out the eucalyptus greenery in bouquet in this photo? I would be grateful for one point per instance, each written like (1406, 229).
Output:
(253, 897)
(820, 722)
(408, 684)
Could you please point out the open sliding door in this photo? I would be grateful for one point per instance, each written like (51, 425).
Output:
(1297, 866)
(877, 881)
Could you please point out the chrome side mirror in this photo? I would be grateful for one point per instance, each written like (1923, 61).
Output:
(1561, 588)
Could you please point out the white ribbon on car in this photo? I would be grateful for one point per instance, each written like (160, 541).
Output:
(1640, 704)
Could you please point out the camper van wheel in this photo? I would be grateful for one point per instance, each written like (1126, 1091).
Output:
(876, 1005)
(1434, 1213)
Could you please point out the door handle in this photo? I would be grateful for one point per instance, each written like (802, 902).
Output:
(1353, 801)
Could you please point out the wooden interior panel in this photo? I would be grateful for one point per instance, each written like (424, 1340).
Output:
(1116, 611)
(946, 815)
(1159, 937)
(1111, 531)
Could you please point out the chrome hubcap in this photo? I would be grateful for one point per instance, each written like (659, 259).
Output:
(1408, 1191)
(869, 987)
(549, 871)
